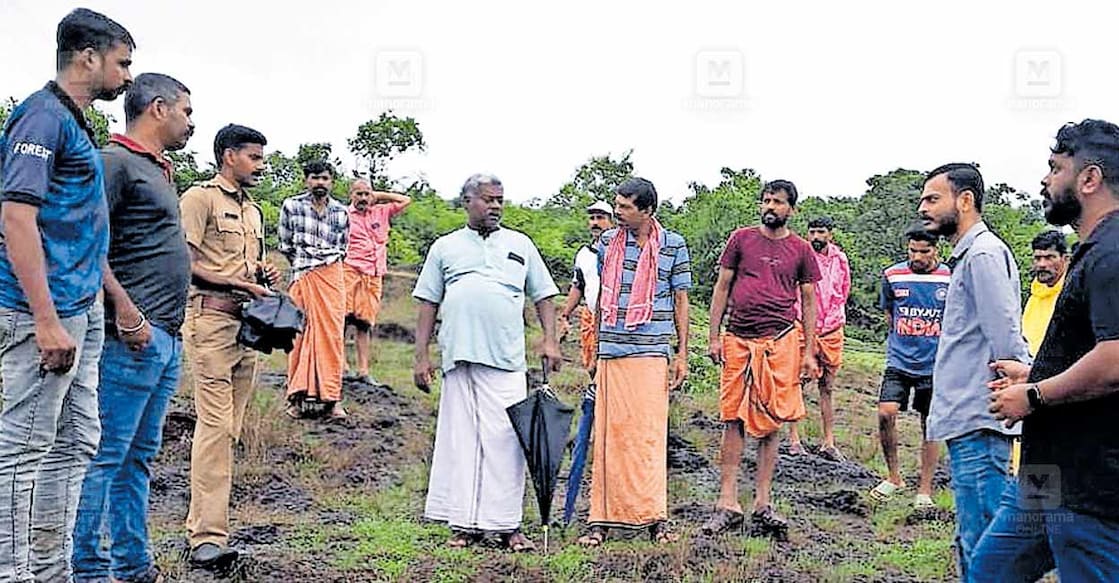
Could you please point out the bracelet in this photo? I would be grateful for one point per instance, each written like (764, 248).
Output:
(130, 331)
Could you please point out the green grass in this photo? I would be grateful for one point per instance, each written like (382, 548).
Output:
(923, 558)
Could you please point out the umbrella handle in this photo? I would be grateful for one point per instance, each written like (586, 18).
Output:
(544, 366)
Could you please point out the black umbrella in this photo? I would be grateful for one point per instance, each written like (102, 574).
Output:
(542, 423)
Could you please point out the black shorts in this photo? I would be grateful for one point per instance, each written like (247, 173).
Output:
(897, 384)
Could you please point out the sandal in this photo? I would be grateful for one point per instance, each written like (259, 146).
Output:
(885, 490)
(294, 411)
(767, 521)
(594, 537)
(337, 412)
(660, 534)
(460, 539)
(518, 543)
(722, 520)
(832, 453)
(796, 449)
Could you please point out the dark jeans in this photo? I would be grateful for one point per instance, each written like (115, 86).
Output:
(1023, 544)
(135, 390)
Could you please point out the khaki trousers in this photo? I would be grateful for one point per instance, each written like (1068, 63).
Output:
(222, 373)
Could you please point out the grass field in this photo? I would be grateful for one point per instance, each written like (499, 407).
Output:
(342, 501)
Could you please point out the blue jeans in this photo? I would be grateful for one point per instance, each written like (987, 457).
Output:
(1022, 544)
(136, 388)
(49, 431)
(980, 464)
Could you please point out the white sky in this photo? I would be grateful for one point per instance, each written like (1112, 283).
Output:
(831, 93)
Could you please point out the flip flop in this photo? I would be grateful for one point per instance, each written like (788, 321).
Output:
(461, 540)
(660, 534)
(923, 502)
(293, 411)
(885, 490)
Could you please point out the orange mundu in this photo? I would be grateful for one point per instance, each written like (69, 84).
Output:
(315, 364)
(760, 382)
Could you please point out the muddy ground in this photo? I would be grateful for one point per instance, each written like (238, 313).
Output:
(341, 501)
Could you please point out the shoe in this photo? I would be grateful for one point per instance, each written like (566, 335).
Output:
(211, 557)
(767, 521)
(722, 520)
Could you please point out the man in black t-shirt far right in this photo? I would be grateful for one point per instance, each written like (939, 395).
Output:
(1064, 510)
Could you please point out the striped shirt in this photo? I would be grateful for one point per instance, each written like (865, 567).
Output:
(309, 239)
(674, 273)
(915, 302)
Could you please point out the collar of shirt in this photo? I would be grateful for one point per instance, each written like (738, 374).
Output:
(229, 188)
(1082, 247)
(308, 199)
(136, 148)
(73, 107)
(968, 238)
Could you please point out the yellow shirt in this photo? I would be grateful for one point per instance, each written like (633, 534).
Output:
(1039, 309)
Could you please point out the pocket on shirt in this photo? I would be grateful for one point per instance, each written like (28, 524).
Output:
(231, 233)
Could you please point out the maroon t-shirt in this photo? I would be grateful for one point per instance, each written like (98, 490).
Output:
(767, 278)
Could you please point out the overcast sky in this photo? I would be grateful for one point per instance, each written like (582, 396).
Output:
(825, 94)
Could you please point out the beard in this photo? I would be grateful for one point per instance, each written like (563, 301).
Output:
(110, 93)
(773, 221)
(945, 226)
(1063, 209)
(819, 245)
(319, 191)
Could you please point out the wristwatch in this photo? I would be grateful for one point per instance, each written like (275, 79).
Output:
(1033, 394)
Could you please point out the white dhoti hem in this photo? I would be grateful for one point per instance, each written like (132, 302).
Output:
(478, 467)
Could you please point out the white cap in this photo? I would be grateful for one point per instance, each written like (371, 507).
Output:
(602, 207)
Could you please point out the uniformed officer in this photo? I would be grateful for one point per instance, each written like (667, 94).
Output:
(225, 230)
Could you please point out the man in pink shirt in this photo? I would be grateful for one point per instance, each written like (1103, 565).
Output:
(831, 314)
(365, 265)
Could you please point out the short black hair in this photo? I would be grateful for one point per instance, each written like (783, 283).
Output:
(1092, 142)
(917, 232)
(235, 137)
(790, 190)
(822, 223)
(961, 177)
(317, 167)
(1050, 240)
(83, 29)
(641, 191)
(146, 88)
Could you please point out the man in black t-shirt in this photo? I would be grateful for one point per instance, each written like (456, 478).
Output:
(146, 294)
(1064, 510)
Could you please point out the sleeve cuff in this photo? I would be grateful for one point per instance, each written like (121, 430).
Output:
(22, 197)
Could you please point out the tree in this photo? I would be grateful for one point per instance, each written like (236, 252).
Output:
(378, 142)
(708, 216)
(186, 170)
(316, 151)
(595, 179)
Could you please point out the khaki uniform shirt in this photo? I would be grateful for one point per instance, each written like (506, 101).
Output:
(226, 228)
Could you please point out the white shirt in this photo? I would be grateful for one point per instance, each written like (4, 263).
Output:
(586, 271)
